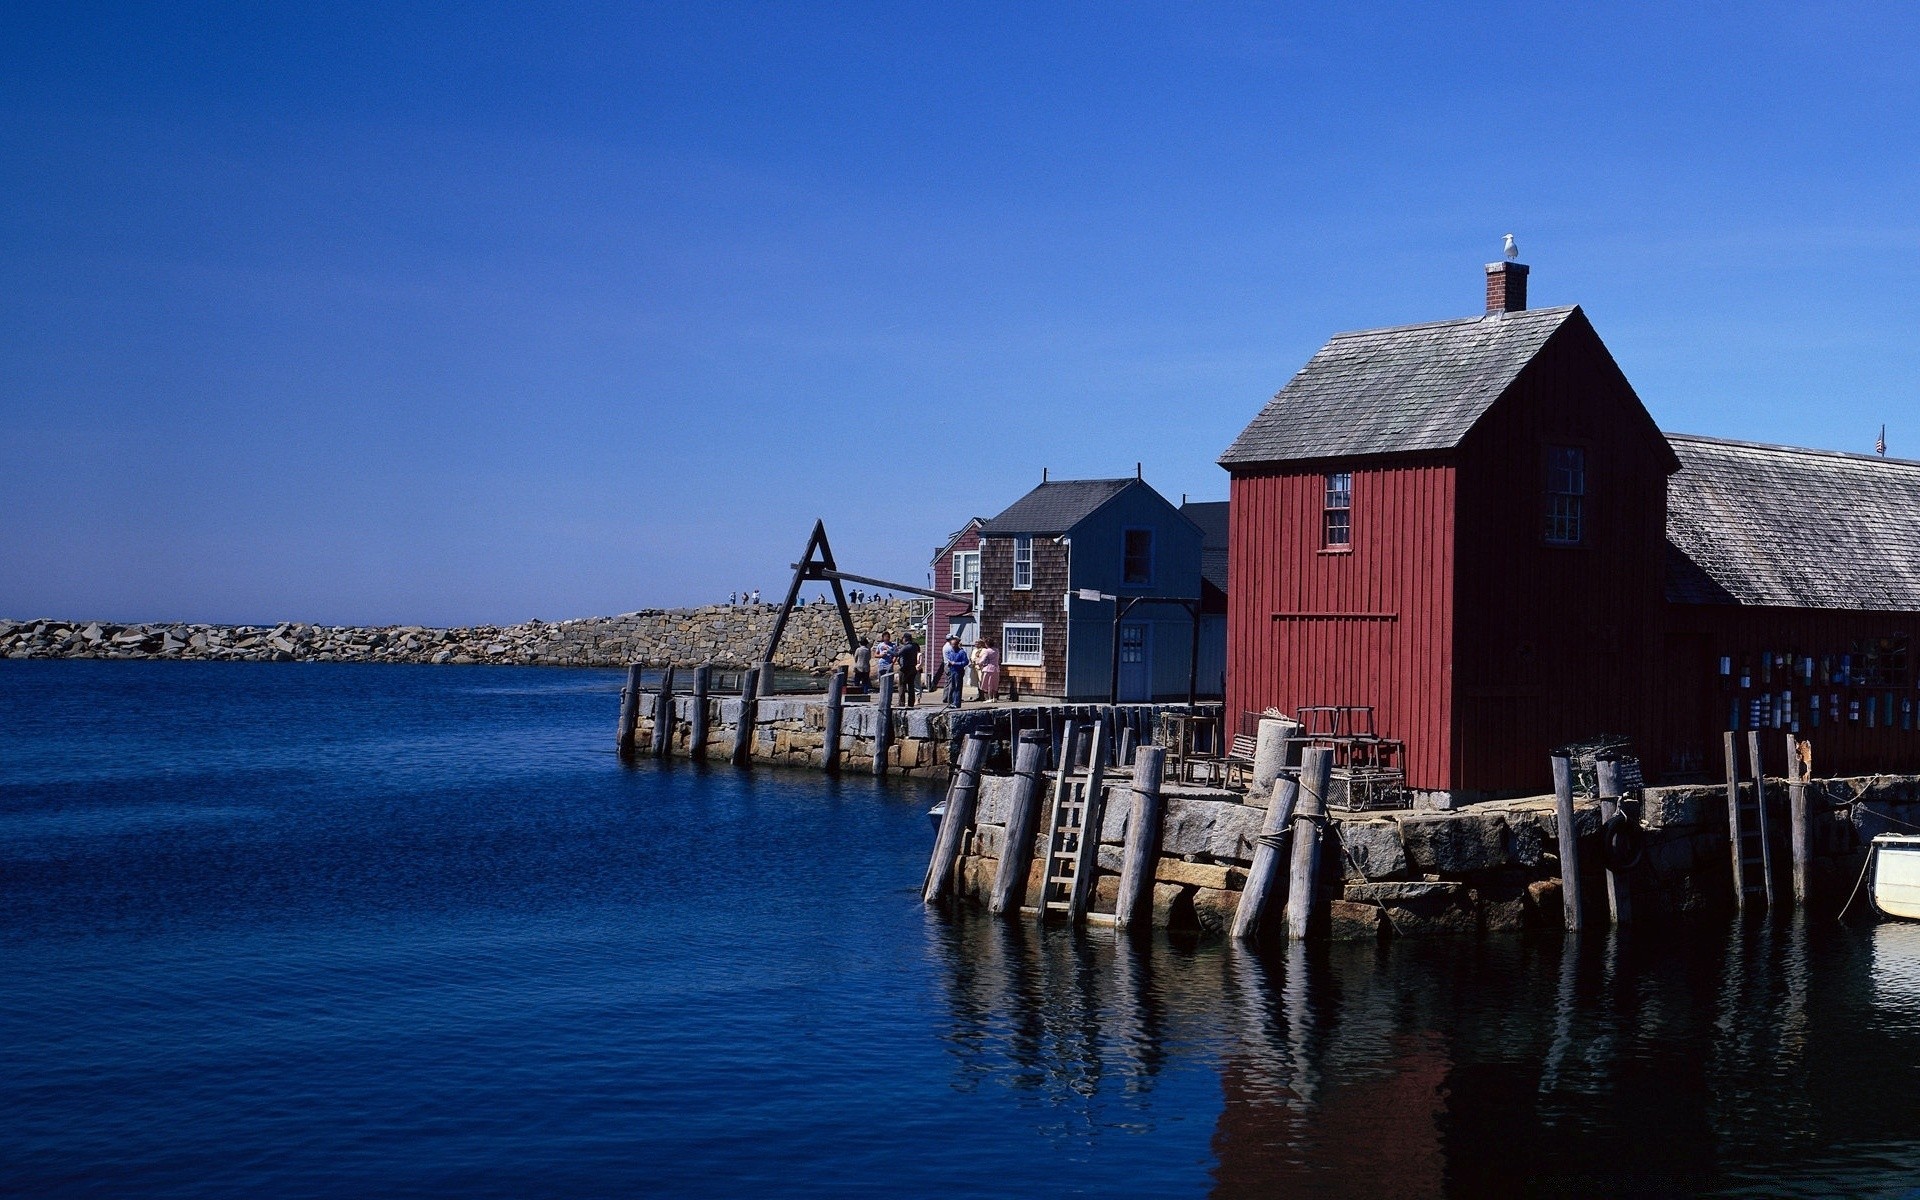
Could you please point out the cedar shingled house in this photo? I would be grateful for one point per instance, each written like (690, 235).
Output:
(1115, 537)
(1466, 525)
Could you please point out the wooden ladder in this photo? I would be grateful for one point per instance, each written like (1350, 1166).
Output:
(1747, 827)
(1073, 838)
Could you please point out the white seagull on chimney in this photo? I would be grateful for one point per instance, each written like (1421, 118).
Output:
(1512, 248)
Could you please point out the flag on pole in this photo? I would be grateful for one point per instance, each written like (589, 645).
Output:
(1880, 443)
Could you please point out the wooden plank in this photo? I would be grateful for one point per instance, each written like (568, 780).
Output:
(1303, 881)
(1797, 810)
(1087, 864)
(1144, 818)
(743, 732)
(629, 712)
(1023, 818)
(830, 735)
(1267, 857)
(962, 794)
(1734, 833)
(697, 734)
(1569, 833)
(1756, 765)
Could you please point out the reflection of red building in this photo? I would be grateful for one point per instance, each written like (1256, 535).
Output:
(1475, 527)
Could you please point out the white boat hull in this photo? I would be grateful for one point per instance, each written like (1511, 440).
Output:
(1896, 875)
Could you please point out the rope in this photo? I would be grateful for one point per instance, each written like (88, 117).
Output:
(1841, 915)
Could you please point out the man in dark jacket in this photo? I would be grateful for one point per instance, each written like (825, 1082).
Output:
(906, 661)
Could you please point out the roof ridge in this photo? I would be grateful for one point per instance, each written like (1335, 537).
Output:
(1816, 451)
(1522, 314)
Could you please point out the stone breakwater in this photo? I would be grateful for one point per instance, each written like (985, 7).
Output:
(725, 635)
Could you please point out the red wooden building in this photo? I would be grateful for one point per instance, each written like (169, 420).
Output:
(1466, 525)
(956, 573)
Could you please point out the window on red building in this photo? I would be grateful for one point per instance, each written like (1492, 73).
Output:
(1566, 499)
(1337, 523)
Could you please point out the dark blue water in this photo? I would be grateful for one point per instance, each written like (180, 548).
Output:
(311, 930)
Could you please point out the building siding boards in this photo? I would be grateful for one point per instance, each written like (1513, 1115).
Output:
(1370, 626)
(951, 604)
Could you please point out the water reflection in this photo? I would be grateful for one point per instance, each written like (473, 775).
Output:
(1731, 1057)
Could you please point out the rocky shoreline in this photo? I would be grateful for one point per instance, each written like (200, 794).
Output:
(725, 635)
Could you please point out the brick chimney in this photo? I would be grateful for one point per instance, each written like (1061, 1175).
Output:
(1506, 287)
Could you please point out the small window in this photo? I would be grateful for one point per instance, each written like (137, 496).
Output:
(1023, 562)
(966, 570)
(1566, 500)
(1022, 645)
(1137, 557)
(1337, 523)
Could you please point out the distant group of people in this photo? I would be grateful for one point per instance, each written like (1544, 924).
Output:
(901, 659)
(738, 598)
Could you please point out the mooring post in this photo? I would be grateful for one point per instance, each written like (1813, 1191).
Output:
(743, 732)
(1265, 872)
(830, 736)
(697, 735)
(1569, 841)
(1142, 852)
(629, 712)
(765, 675)
(1797, 809)
(1735, 835)
(663, 716)
(1303, 881)
(962, 794)
(1023, 818)
(1619, 895)
(1758, 766)
(883, 725)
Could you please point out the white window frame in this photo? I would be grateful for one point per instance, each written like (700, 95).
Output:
(966, 570)
(1014, 630)
(1023, 562)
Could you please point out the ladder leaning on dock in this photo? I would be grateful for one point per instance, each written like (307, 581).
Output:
(1073, 833)
(1747, 827)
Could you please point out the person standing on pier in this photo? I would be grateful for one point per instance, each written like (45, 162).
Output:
(906, 660)
(987, 660)
(954, 659)
(863, 666)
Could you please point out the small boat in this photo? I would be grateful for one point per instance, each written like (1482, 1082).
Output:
(1896, 875)
(938, 813)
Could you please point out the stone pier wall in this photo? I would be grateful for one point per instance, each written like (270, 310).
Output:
(1490, 867)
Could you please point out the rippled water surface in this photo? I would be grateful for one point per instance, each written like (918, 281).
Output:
(309, 930)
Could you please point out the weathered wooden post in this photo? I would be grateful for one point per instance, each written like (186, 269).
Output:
(1265, 872)
(1760, 810)
(1619, 898)
(1069, 748)
(962, 794)
(1797, 809)
(1303, 881)
(1735, 836)
(830, 736)
(1126, 746)
(1023, 818)
(697, 735)
(1569, 841)
(765, 675)
(1142, 853)
(883, 725)
(743, 732)
(663, 716)
(629, 712)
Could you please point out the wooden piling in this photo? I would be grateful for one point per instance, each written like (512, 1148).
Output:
(1734, 834)
(883, 725)
(1757, 765)
(1142, 852)
(1126, 747)
(1303, 881)
(830, 736)
(663, 716)
(743, 732)
(764, 673)
(1563, 820)
(1023, 819)
(1797, 809)
(697, 734)
(1619, 898)
(1265, 872)
(629, 712)
(962, 794)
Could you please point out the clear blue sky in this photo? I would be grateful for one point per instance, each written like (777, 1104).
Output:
(459, 314)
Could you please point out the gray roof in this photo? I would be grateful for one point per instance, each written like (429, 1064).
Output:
(1055, 506)
(1780, 525)
(1383, 391)
(1211, 517)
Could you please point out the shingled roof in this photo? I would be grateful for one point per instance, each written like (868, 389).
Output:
(1779, 525)
(1055, 506)
(1384, 391)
